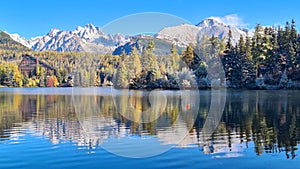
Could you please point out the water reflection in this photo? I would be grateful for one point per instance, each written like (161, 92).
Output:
(138, 123)
(266, 119)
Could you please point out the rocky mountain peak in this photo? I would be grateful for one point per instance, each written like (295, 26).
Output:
(88, 31)
(90, 38)
(209, 22)
(53, 32)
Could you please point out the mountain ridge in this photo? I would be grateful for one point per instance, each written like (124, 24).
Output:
(7, 43)
(90, 38)
(184, 34)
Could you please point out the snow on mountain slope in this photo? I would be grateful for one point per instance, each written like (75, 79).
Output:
(184, 34)
(181, 35)
(18, 38)
(90, 38)
(87, 39)
(213, 27)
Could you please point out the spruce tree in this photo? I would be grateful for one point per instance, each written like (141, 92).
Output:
(149, 61)
(122, 56)
(134, 64)
(228, 59)
(294, 50)
(257, 47)
(274, 54)
(173, 65)
(248, 53)
(188, 56)
(121, 77)
(297, 57)
(229, 41)
(288, 50)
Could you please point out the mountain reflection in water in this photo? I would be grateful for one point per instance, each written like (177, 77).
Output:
(268, 119)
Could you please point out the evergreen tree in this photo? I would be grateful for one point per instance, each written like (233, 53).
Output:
(17, 77)
(123, 56)
(245, 69)
(149, 61)
(289, 51)
(173, 65)
(259, 48)
(229, 40)
(97, 81)
(228, 59)
(121, 77)
(237, 64)
(297, 57)
(59, 76)
(294, 33)
(248, 53)
(135, 66)
(242, 46)
(188, 56)
(274, 54)
(294, 46)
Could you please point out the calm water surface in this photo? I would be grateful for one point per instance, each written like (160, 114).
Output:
(101, 128)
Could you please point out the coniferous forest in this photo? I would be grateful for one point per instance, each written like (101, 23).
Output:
(268, 59)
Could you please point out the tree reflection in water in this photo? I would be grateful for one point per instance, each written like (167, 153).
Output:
(269, 119)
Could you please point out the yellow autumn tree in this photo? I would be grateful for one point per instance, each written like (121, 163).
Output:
(55, 81)
(17, 76)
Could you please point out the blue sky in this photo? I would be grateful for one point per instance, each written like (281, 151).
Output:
(36, 17)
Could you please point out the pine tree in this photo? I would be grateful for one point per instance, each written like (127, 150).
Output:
(121, 77)
(229, 41)
(274, 54)
(294, 33)
(297, 57)
(228, 59)
(188, 56)
(257, 48)
(288, 47)
(151, 46)
(237, 63)
(294, 46)
(246, 69)
(173, 66)
(215, 49)
(248, 48)
(149, 61)
(59, 76)
(123, 56)
(134, 64)
(257, 45)
(17, 77)
(241, 47)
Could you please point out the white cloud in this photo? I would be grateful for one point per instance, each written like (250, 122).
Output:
(232, 19)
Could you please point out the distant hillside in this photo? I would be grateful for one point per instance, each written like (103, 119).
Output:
(162, 47)
(7, 43)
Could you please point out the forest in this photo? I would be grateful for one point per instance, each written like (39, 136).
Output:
(270, 59)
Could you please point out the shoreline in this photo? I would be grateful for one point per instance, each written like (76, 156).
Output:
(269, 88)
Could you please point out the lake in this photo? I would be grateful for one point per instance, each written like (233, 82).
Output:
(108, 128)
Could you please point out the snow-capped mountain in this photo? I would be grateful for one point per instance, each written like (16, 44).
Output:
(181, 35)
(90, 38)
(16, 37)
(184, 34)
